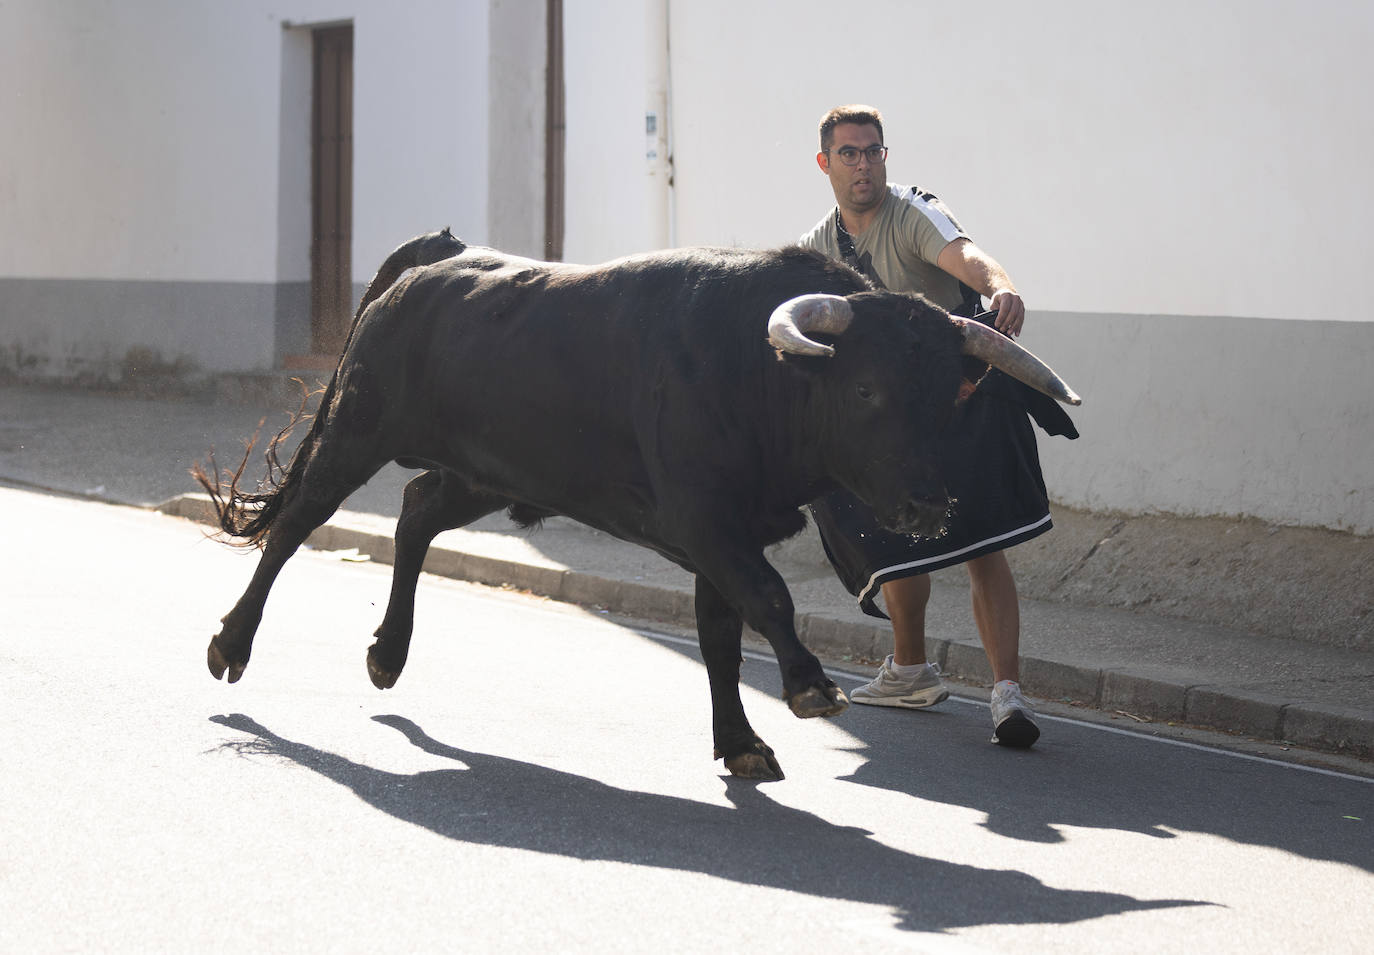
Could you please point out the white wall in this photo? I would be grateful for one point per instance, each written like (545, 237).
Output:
(1199, 158)
(155, 180)
(515, 131)
(607, 175)
(422, 97)
(142, 141)
(1215, 416)
(1177, 157)
(153, 136)
(1170, 184)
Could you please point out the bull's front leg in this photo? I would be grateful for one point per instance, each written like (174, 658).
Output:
(719, 628)
(805, 687)
(748, 587)
(751, 584)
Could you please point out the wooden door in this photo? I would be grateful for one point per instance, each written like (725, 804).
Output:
(331, 289)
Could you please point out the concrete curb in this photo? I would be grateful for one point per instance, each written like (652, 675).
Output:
(1148, 694)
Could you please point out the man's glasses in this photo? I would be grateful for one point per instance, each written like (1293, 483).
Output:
(850, 155)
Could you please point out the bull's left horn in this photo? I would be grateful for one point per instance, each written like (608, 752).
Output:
(793, 319)
(1001, 352)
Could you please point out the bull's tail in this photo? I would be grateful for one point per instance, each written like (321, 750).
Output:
(245, 517)
(422, 250)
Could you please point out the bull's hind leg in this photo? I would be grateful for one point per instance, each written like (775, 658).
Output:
(434, 502)
(326, 481)
(719, 628)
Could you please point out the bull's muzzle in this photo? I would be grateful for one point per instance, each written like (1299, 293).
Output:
(923, 517)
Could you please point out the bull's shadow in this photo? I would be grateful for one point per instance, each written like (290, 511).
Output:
(505, 802)
(1078, 776)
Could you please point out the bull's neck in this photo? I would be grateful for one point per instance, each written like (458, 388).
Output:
(800, 442)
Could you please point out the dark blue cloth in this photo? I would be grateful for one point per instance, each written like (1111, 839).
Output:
(991, 469)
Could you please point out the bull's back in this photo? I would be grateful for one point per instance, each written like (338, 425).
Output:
(595, 340)
(521, 375)
(558, 384)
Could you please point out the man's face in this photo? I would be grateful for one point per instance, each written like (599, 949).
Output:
(860, 187)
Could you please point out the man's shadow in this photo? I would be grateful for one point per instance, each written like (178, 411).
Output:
(1081, 777)
(506, 802)
(1087, 779)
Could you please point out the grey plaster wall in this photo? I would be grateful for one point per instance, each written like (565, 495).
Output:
(1187, 416)
(1214, 416)
(108, 330)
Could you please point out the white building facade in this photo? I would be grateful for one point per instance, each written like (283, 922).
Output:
(1179, 189)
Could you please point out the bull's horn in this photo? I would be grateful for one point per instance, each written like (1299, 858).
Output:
(1002, 353)
(793, 319)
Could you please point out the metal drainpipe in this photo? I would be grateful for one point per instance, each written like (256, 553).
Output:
(658, 159)
(554, 133)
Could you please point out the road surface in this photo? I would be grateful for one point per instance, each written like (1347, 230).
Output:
(541, 778)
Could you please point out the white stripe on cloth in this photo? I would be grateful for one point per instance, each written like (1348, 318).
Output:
(866, 593)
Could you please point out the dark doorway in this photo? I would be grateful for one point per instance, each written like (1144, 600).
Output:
(331, 174)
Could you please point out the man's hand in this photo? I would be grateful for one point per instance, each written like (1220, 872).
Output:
(1011, 312)
(980, 272)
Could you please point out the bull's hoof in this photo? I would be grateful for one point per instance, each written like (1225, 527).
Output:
(755, 763)
(827, 700)
(382, 678)
(219, 664)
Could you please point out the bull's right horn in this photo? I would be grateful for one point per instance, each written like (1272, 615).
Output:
(1001, 352)
(793, 319)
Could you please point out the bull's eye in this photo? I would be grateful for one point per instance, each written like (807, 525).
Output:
(867, 393)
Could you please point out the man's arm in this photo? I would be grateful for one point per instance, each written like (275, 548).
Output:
(980, 271)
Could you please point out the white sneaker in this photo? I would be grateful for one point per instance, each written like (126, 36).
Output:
(888, 689)
(1011, 717)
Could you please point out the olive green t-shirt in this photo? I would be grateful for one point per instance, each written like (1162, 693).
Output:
(902, 244)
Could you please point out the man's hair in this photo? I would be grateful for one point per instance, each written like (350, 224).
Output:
(855, 113)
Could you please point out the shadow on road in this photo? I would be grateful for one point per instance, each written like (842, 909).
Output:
(1080, 776)
(505, 802)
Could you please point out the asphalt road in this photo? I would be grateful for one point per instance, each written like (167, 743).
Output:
(541, 778)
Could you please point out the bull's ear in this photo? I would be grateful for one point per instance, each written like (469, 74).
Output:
(971, 375)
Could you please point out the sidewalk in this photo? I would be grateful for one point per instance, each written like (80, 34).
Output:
(1139, 667)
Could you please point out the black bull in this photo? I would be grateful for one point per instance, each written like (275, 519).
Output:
(644, 398)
